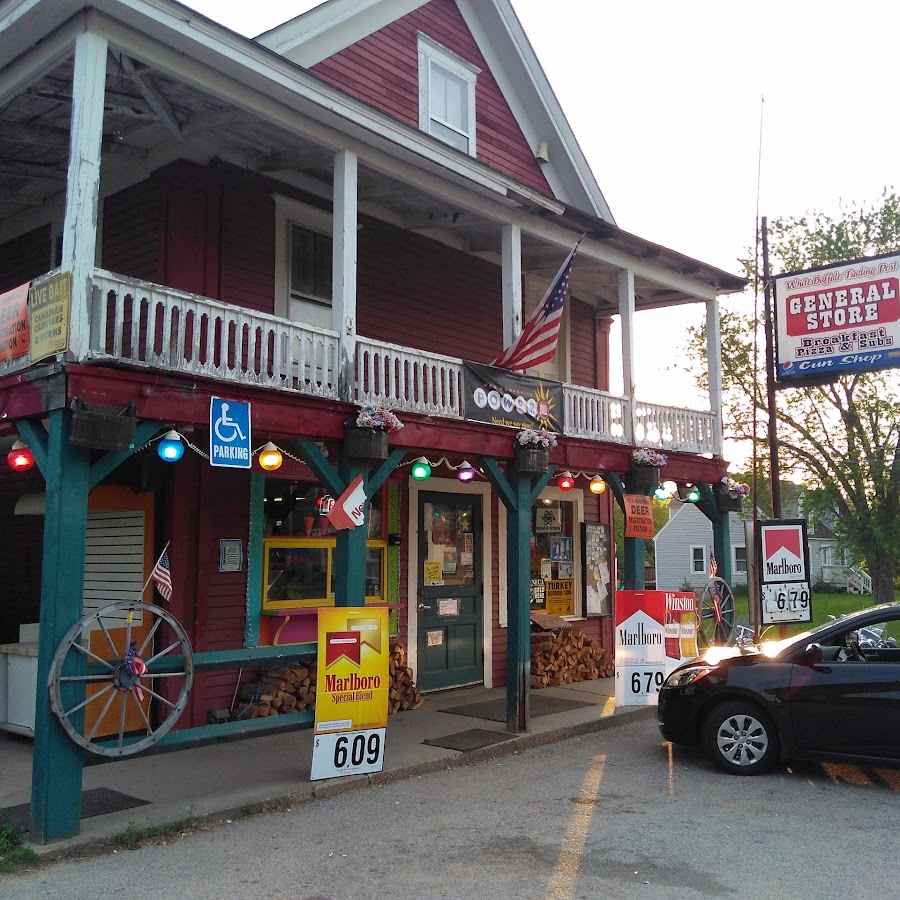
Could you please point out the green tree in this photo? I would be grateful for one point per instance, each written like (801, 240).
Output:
(843, 438)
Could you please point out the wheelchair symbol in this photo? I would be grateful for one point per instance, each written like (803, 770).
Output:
(226, 422)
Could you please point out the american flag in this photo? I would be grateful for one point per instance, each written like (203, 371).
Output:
(713, 567)
(162, 576)
(537, 342)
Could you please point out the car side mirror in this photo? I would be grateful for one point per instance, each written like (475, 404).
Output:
(811, 655)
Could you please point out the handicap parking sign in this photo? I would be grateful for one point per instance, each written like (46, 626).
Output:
(229, 433)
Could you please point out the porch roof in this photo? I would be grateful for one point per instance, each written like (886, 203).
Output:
(197, 89)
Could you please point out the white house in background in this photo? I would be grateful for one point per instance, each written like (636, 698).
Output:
(685, 543)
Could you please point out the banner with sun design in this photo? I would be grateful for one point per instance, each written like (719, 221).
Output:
(500, 397)
(353, 681)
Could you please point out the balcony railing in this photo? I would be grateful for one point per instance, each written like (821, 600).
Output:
(407, 379)
(144, 324)
(147, 325)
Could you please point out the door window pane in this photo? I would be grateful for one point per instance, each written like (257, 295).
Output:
(450, 543)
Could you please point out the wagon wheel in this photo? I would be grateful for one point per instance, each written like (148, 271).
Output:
(119, 675)
(715, 613)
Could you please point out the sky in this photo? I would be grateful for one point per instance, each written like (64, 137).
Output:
(696, 117)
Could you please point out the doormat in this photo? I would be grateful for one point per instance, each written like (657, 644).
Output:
(95, 802)
(474, 739)
(495, 710)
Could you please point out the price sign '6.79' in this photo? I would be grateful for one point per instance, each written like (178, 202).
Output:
(784, 571)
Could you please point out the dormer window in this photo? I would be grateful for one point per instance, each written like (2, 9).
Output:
(446, 95)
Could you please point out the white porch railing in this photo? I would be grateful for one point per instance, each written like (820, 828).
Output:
(594, 415)
(671, 428)
(406, 379)
(145, 324)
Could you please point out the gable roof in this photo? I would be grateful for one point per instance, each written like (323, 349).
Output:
(334, 25)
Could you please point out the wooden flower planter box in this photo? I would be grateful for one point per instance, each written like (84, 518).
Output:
(365, 443)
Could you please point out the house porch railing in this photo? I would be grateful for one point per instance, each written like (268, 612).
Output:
(147, 325)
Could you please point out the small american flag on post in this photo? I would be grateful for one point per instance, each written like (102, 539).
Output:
(162, 576)
(537, 342)
(713, 567)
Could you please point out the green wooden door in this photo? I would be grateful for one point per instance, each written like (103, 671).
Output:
(449, 591)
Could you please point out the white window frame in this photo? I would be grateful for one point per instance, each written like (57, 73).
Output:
(705, 568)
(738, 571)
(290, 212)
(430, 51)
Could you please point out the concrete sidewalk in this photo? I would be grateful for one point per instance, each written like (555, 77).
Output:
(232, 778)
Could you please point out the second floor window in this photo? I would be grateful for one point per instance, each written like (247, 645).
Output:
(446, 96)
(310, 266)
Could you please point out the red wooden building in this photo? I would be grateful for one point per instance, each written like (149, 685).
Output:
(341, 213)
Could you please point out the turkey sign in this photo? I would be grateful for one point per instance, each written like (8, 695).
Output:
(784, 571)
(350, 509)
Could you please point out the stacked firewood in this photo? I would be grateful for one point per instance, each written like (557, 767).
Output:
(287, 689)
(565, 655)
(280, 690)
(403, 693)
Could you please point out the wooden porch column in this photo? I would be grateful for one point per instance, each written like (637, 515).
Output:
(350, 544)
(57, 763)
(83, 183)
(343, 297)
(721, 530)
(714, 370)
(633, 574)
(626, 311)
(511, 242)
(518, 494)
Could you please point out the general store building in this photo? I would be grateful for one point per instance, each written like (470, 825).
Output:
(341, 213)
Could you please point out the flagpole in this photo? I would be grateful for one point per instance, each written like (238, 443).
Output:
(161, 555)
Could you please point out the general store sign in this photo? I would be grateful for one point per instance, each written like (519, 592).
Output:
(836, 319)
(784, 571)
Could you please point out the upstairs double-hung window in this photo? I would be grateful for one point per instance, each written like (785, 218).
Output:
(303, 270)
(446, 95)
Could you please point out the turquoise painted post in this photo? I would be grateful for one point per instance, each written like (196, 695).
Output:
(721, 530)
(518, 495)
(57, 764)
(350, 545)
(350, 548)
(633, 576)
(255, 586)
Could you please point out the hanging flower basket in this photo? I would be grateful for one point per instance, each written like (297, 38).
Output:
(642, 480)
(729, 494)
(365, 443)
(531, 458)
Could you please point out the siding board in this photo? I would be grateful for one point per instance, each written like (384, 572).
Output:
(382, 69)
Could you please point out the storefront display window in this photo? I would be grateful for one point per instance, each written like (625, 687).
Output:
(552, 557)
(298, 548)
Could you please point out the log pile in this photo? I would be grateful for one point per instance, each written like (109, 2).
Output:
(565, 655)
(403, 693)
(288, 689)
(280, 689)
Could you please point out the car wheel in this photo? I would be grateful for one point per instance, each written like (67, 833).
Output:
(741, 738)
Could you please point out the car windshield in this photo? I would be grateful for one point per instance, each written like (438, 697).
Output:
(776, 648)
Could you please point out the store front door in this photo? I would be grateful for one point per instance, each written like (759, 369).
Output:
(449, 591)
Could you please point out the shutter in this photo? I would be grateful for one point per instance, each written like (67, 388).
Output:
(114, 558)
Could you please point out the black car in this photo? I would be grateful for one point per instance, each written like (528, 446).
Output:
(831, 692)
